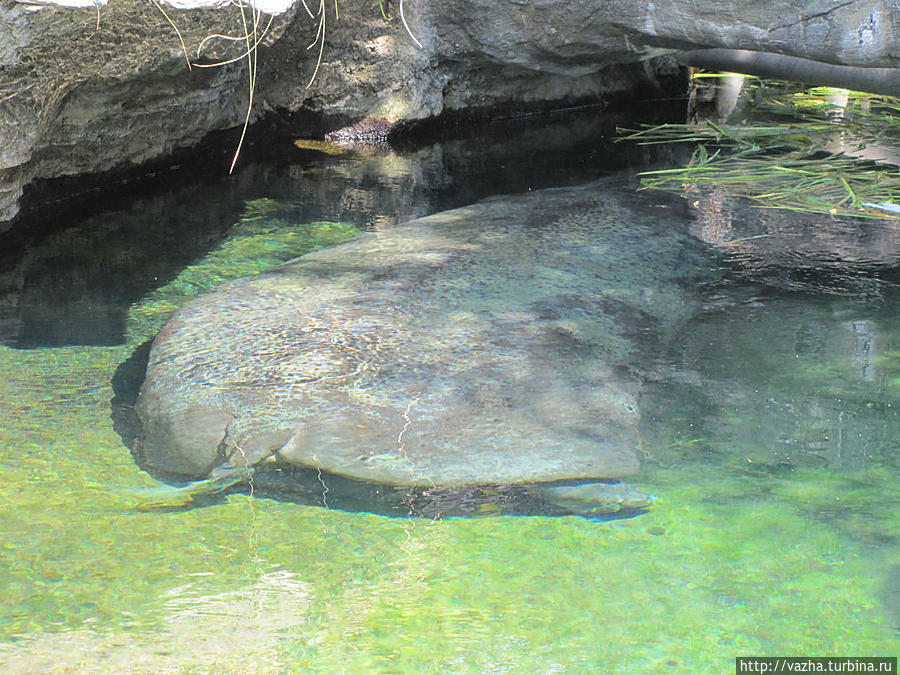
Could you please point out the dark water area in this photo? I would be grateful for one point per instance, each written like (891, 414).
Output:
(90, 262)
(769, 432)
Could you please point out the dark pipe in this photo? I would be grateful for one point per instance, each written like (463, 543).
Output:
(781, 67)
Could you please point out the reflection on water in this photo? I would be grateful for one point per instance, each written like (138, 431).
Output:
(786, 250)
(76, 286)
(798, 382)
(800, 335)
(769, 433)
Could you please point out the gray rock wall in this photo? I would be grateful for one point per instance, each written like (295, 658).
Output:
(85, 90)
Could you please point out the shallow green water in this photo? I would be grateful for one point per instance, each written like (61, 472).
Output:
(770, 437)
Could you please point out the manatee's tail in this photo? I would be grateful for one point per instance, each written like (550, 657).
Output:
(168, 496)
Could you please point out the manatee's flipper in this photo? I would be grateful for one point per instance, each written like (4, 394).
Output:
(593, 499)
(163, 496)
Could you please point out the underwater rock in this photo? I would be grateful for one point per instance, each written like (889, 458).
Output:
(498, 343)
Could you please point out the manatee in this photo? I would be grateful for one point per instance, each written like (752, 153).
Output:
(494, 344)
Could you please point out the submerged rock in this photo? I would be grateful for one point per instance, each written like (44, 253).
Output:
(498, 343)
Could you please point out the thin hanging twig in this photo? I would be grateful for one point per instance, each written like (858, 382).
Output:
(251, 69)
(172, 23)
(320, 38)
(406, 26)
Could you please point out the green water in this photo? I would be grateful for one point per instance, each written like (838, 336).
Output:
(769, 537)
(725, 564)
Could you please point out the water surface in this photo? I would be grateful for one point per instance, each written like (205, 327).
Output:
(769, 433)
